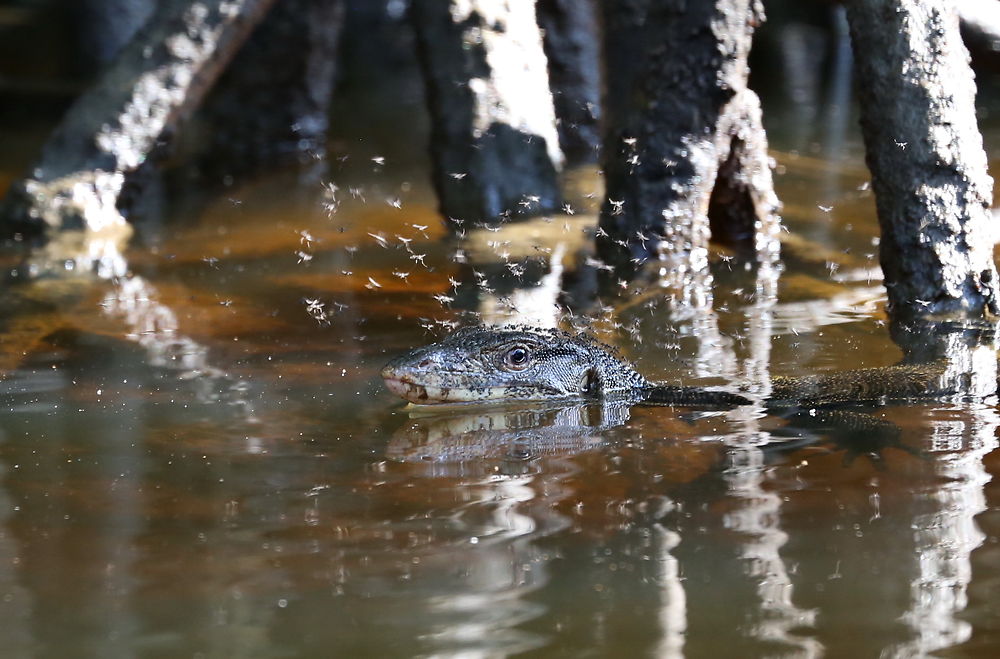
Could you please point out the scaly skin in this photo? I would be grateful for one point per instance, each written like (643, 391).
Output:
(531, 364)
(477, 364)
(865, 385)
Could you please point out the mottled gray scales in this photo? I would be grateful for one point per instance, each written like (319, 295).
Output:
(867, 385)
(533, 364)
(519, 363)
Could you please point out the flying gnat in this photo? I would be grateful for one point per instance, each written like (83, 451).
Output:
(330, 201)
(372, 284)
(395, 202)
(515, 268)
(432, 325)
(315, 309)
(379, 160)
(458, 176)
(380, 239)
(304, 257)
(506, 303)
(597, 264)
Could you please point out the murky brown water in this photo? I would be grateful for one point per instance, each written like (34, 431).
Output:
(199, 459)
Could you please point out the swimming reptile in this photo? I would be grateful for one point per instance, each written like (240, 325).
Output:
(532, 364)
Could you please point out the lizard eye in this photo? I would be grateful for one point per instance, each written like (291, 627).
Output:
(517, 358)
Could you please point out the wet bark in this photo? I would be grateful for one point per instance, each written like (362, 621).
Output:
(926, 156)
(113, 127)
(571, 41)
(684, 137)
(273, 102)
(494, 141)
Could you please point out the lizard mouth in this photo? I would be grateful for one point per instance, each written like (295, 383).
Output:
(428, 389)
(403, 385)
(415, 393)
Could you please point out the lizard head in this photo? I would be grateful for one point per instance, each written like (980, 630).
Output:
(509, 363)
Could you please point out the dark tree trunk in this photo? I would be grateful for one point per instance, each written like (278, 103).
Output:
(684, 136)
(571, 41)
(113, 127)
(926, 156)
(273, 102)
(980, 21)
(494, 140)
(105, 26)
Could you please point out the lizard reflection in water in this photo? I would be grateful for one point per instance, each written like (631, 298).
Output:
(508, 364)
(506, 435)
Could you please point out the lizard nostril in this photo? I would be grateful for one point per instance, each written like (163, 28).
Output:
(424, 363)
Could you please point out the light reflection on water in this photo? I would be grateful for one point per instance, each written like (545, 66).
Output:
(194, 460)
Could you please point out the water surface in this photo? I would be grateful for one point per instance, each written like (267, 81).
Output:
(197, 457)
